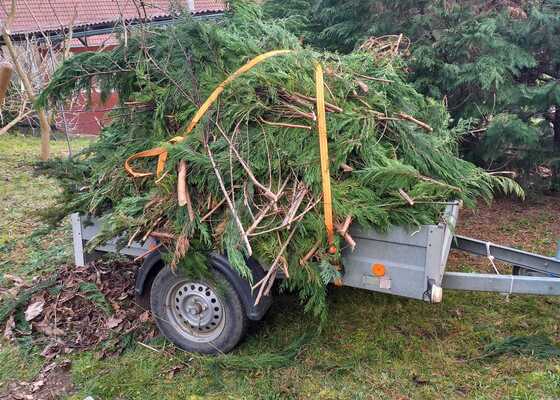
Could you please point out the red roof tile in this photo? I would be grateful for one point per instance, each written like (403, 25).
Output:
(96, 41)
(51, 15)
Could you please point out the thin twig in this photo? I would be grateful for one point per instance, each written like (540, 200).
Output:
(262, 214)
(371, 78)
(267, 192)
(147, 253)
(421, 124)
(272, 271)
(296, 219)
(228, 200)
(310, 253)
(209, 213)
(162, 235)
(329, 106)
(285, 125)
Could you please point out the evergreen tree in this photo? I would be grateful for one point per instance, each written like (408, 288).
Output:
(495, 64)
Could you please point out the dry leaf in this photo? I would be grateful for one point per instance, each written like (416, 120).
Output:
(16, 280)
(37, 385)
(144, 317)
(34, 310)
(50, 351)
(174, 370)
(9, 330)
(113, 322)
(48, 330)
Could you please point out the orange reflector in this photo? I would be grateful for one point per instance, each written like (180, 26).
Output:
(378, 269)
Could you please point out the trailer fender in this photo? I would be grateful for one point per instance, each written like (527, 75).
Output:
(145, 276)
(243, 288)
(153, 264)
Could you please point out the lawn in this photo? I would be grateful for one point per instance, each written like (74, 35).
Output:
(373, 347)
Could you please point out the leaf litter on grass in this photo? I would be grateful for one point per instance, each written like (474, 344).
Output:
(88, 308)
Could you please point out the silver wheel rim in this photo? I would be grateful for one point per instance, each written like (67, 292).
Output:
(195, 311)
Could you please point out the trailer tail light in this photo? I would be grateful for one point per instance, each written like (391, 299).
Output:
(378, 269)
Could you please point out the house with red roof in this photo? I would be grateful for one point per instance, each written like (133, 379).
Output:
(93, 25)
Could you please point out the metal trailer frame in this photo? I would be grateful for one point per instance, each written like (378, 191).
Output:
(413, 260)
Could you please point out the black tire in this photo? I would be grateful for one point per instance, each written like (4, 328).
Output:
(178, 306)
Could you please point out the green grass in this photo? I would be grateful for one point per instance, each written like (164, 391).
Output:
(17, 364)
(373, 347)
(23, 249)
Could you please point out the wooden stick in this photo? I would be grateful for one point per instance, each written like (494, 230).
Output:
(417, 122)
(183, 196)
(182, 184)
(300, 113)
(398, 44)
(310, 253)
(131, 240)
(14, 121)
(262, 214)
(263, 282)
(162, 235)
(148, 347)
(431, 180)
(151, 229)
(282, 226)
(406, 197)
(362, 85)
(371, 78)
(285, 125)
(209, 213)
(228, 200)
(347, 223)
(346, 168)
(284, 264)
(346, 236)
(267, 192)
(189, 204)
(294, 207)
(328, 105)
(147, 253)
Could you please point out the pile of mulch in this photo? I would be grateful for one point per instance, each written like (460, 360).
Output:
(84, 308)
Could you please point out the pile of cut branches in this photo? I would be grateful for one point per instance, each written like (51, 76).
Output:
(247, 180)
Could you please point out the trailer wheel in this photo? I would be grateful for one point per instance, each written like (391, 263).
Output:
(198, 315)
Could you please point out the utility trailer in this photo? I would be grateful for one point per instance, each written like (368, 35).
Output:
(211, 314)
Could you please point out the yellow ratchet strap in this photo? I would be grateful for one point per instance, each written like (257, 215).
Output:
(324, 150)
(161, 152)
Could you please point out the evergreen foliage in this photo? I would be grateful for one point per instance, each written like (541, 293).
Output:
(162, 78)
(496, 65)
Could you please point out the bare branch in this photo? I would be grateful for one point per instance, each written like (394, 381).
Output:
(228, 200)
(421, 124)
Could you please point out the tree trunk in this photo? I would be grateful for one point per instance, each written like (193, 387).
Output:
(43, 120)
